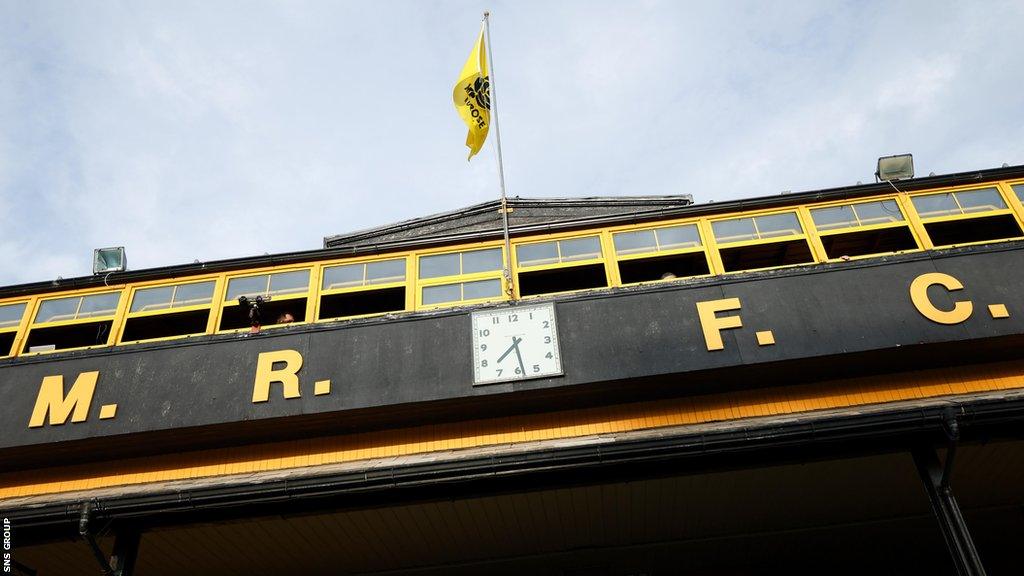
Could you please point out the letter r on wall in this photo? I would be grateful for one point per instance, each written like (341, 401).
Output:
(288, 375)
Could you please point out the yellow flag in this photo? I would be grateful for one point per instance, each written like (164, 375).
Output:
(472, 96)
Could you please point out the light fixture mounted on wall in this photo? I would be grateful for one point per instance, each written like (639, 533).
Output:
(106, 260)
(898, 167)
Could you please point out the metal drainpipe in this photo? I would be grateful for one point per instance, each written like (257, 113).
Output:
(83, 530)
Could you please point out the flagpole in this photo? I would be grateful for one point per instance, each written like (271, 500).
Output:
(501, 165)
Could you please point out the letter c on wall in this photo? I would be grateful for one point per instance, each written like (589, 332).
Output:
(919, 296)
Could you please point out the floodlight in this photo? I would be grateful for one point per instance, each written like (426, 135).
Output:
(106, 260)
(898, 167)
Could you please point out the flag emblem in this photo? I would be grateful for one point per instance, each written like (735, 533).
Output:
(472, 96)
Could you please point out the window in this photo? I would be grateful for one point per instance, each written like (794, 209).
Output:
(288, 293)
(863, 228)
(10, 320)
(660, 254)
(1018, 189)
(360, 289)
(966, 216)
(482, 268)
(560, 266)
(475, 290)
(166, 311)
(460, 263)
(764, 241)
(72, 322)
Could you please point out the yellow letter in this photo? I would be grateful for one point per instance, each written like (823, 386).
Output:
(51, 400)
(919, 296)
(713, 325)
(266, 375)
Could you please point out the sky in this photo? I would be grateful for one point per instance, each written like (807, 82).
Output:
(204, 130)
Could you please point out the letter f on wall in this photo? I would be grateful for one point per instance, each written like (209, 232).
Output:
(713, 324)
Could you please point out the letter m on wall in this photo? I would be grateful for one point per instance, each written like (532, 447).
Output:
(52, 401)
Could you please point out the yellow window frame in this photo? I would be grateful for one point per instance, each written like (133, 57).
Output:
(18, 329)
(1016, 203)
(408, 284)
(116, 319)
(604, 240)
(701, 233)
(803, 216)
(418, 283)
(218, 293)
(1005, 193)
(907, 221)
(309, 294)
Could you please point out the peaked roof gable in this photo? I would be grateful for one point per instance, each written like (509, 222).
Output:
(485, 218)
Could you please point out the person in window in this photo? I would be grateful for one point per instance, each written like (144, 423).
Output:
(285, 318)
(668, 276)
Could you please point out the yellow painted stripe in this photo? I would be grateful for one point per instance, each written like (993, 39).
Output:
(520, 428)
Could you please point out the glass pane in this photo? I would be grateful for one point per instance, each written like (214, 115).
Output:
(384, 272)
(879, 212)
(99, 305)
(440, 265)
(834, 217)
(580, 248)
(537, 254)
(152, 299)
(1019, 190)
(481, 261)
(935, 205)
(677, 237)
(481, 289)
(443, 293)
(778, 225)
(248, 286)
(289, 282)
(980, 200)
(736, 230)
(57, 310)
(634, 242)
(194, 294)
(343, 276)
(10, 315)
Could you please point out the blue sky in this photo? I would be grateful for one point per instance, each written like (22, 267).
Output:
(205, 130)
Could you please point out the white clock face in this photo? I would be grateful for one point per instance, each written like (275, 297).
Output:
(515, 344)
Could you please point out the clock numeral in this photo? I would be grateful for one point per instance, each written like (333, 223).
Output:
(547, 324)
(547, 339)
(499, 371)
(518, 370)
(548, 355)
(495, 319)
(485, 332)
(531, 315)
(513, 317)
(536, 367)
(483, 347)
(483, 363)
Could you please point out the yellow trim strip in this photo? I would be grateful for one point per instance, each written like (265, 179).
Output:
(726, 406)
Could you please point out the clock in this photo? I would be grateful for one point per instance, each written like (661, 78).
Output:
(515, 343)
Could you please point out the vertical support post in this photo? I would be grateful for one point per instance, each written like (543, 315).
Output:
(126, 550)
(509, 281)
(935, 478)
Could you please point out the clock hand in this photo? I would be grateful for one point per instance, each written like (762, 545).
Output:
(514, 346)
